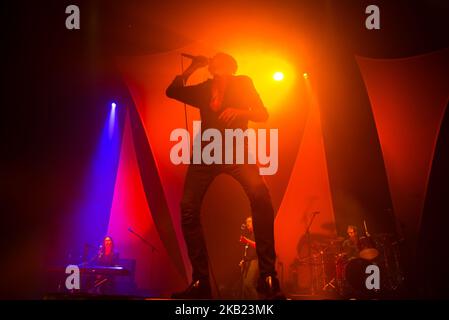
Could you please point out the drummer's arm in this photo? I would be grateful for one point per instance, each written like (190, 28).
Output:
(345, 248)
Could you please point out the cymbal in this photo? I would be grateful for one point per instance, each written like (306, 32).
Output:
(384, 235)
(338, 239)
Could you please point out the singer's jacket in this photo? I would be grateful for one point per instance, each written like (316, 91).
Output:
(239, 93)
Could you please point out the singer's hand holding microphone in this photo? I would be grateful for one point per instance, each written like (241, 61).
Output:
(198, 61)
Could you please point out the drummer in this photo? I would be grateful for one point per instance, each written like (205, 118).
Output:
(350, 246)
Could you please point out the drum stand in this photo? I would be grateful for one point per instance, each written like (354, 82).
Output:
(330, 284)
(309, 255)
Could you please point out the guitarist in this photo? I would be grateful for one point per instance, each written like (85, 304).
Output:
(249, 263)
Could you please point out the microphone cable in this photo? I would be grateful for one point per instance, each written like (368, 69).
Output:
(184, 84)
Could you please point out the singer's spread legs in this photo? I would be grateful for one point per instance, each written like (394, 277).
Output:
(198, 180)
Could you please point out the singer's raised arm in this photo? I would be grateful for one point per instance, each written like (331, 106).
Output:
(191, 95)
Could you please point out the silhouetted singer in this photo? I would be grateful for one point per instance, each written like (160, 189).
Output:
(225, 101)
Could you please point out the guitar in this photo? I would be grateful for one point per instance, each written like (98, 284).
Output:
(247, 241)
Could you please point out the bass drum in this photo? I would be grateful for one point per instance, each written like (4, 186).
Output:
(354, 278)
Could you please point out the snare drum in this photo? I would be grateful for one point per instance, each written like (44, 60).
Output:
(367, 248)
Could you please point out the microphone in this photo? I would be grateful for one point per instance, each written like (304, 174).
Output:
(202, 59)
(190, 56)
(133, 232)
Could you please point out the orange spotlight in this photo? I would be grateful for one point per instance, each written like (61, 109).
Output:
(278, 76)
(270, 72)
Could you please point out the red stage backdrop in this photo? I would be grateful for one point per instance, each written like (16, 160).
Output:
(308, 192)
(155, 273)
(408, 98)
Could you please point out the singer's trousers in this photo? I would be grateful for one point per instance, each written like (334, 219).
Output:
(198, 179)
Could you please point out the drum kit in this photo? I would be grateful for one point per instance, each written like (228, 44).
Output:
(333, 270)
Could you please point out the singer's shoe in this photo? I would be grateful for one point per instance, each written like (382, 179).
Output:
(269, 288)
(196, 290)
